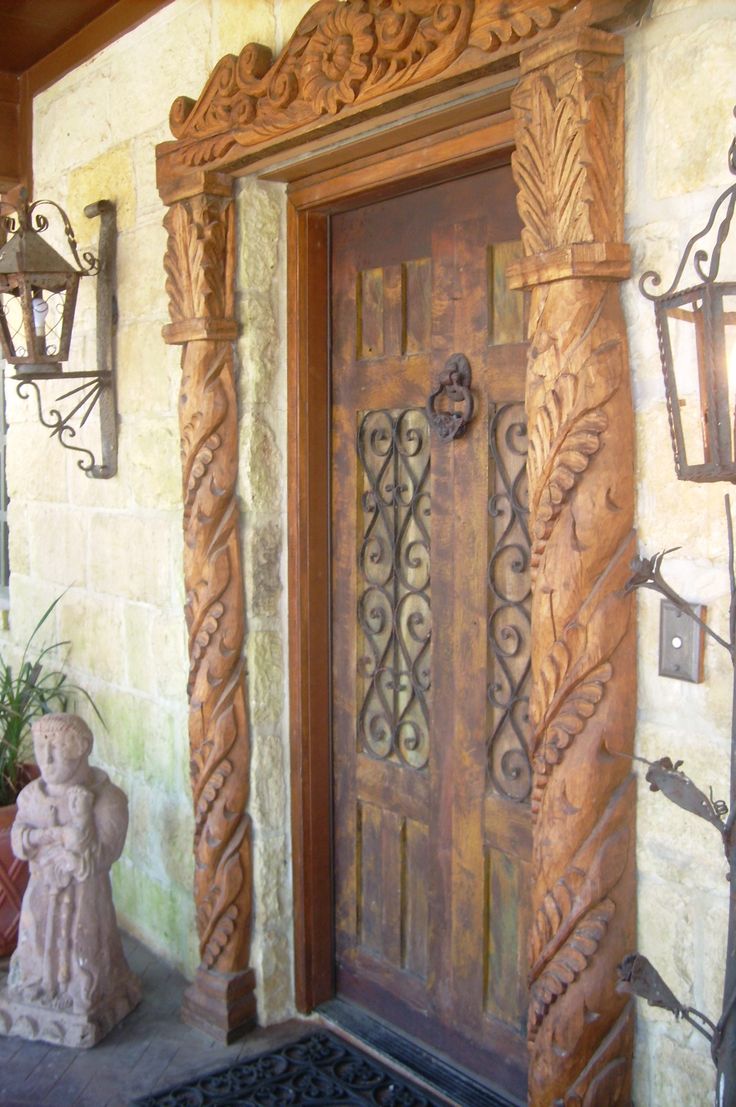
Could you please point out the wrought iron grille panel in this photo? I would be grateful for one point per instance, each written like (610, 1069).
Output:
(509, 619)
(394, 615)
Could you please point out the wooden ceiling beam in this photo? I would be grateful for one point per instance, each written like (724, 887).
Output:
(18, 90)
(9, 130)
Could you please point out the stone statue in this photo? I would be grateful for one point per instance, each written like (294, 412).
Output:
(69, 982)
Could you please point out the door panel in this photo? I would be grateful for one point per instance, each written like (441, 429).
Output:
(430, 592)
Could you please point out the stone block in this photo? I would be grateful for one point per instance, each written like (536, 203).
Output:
(682, 1074)
(665, 935)
(140, 272)
(117, 544)
(73, 120)
(273, 963)
(29, 599)
(161, 914)
(58, 543)
(18, 537)
(258, 347)
(35, 464)
(163, 58)
(167, 752)
(171, 659)
(149, 204)
(692, 155)
(150, 452)
(260, 221)
(260, 464)
(289, 14)
(265, 676)
(94, 626)
(139, 620)
(263, 568)
(109, 176)
(148, 370)
(269, 783)
(233, 25)
(271, 876)
(130, 720)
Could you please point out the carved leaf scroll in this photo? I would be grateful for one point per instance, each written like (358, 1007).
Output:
(547, 165)
(198, 277)
(343, 55)
(567, 165)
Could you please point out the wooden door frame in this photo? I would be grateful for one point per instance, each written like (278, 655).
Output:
(293, 120)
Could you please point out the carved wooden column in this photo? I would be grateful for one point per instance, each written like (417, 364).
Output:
(199, 267)
(569, 169)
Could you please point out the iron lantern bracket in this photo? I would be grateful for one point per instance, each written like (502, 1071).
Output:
(85, 391)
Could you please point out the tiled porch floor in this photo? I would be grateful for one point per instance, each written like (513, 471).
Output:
(150, 1049)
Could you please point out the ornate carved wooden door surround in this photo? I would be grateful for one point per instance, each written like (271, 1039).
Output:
(389, 95)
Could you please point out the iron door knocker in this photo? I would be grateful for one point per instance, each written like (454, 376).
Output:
(455, 385)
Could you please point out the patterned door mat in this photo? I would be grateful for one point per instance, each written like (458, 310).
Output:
(318, 1070)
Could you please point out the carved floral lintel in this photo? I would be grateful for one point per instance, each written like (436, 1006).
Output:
(342, 56)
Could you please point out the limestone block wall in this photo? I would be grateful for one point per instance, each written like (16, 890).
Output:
(114, 547)
(680, 95)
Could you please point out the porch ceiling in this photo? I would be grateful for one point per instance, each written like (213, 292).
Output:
(40, 41)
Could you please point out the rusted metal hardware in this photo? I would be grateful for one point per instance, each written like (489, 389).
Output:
(509, 622)
(636, 973)
(454, 385)
(637, 976)
(394, 607)
(38, 291)
(664, 776)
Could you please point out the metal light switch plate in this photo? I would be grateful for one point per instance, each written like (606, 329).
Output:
(681, 642)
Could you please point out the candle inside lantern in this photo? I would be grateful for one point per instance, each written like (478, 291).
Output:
(40, 311)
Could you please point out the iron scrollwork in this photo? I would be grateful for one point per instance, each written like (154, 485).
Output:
(394, 616)
(509, 622)
(454, 385)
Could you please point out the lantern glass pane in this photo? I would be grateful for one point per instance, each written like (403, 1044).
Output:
(12, 311)
(685, 328)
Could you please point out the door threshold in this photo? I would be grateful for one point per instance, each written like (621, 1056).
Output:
(438, 1075)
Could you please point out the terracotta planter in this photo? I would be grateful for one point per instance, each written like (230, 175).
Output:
(13, 876)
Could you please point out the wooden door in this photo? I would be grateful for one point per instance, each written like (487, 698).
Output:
(430, 637)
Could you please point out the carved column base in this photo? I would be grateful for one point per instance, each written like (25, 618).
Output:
(222, 1005)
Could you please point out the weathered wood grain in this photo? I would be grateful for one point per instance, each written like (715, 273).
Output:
(199, 268)
(569, 168)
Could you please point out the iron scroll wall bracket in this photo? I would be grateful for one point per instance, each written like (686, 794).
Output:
(454, 385)
(83, 392)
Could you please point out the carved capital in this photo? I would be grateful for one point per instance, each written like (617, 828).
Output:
(199, 269)
(568, 162)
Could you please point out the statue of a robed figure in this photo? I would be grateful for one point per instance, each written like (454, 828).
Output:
(69, 982)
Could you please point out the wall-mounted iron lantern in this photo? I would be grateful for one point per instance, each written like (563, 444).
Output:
(697, 345)
(38, 295)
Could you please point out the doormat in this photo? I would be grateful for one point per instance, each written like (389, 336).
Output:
(317, 1071)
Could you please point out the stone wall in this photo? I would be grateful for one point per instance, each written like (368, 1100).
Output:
(680, 96)
(116, 546)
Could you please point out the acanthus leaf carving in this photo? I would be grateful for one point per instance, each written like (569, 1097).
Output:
(194, 262)
(603, 138)
(573, 674)
(568, 964)
(577, 379)
(550, 174)
(573, 916)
